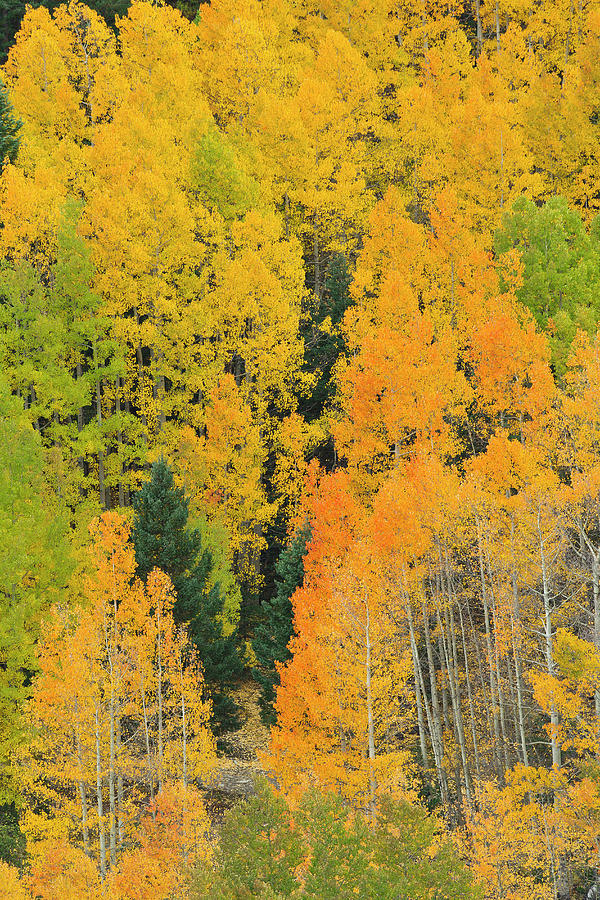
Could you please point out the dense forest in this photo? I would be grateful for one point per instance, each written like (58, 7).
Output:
(300, 387)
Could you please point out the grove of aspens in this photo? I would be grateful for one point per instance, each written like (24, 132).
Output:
(300, 450)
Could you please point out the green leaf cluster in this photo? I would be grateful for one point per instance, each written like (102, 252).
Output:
(561, 269)
(220, 180)
(324, 851)
(10, 127)
(55, 350)
(35, 565)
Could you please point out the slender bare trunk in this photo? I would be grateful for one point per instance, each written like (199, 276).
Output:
(316, 260)
(501, 703)
(111, 787)
(140, 366)
(444, 683)
(513, 704)
(596, 595)
(446, 641)
(81, 784)
(120, 439)
(441, 775)
(518, 675)
(470, 697)
(568, 41)
(490, 654)
(519, 685)
(501, 169)
(160, 699)
(80, 461)
(147, 740)
(436, 729)
(370, 722)
(548, 642)
(101, 835)
(120, 787)
(101, 486)
(416, 670)
(459, 713)
(184, 771)
(497, 27)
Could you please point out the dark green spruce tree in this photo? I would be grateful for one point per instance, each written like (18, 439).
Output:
(12, 12)
(323, 338)
(271, 638)
(160, 534)
(10, 127)
(12, 839)
(219, 654)
(162, 539)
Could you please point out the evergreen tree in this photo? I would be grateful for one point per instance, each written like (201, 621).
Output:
(271, 638)
(200, 604)
(11, 13)
(323, 340)
(159, 533)
(161, 539)
(12, 839)
(10, 127)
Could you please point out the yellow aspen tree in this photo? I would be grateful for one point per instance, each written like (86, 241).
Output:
(117, 706)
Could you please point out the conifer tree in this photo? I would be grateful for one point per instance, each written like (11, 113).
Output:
(10, 127)
(323, 342)
(162, 540)
(200, 604)
(159, 531)
(271, 638)
(11, 13)
(12, 839)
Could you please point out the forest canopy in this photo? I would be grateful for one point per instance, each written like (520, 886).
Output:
(300, 423)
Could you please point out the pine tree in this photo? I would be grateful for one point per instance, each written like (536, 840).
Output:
(10, 127)
(271, 639)
(11, 13)
(162, 539)
(323, 340)
(159, 531)
(200, 604)
(12, 839)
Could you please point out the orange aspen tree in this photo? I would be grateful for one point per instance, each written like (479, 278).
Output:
(344, 689)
